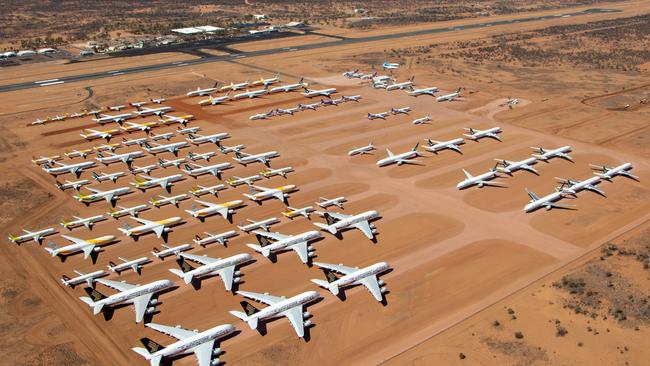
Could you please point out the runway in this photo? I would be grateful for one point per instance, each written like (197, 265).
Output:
(271, 51)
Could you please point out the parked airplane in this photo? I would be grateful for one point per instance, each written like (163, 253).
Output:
(79, 245)
(135, 126)
(163, 163)
(158, 227)
(546, 155)
(381, 115)
(334, 102)
(289, 87)
(209, 209)
(88, 222)
(124, 211)
(137, 104)
(284, 111)
(236, 181)
(135, 264)
(264, 158)
(351, 98)
(78, 153)
(140, 142)
(250, 94)
(45, 159)
(107, 147)
(266, 82)
(36, 236)
(60, 168)
(311, 93)
(201, 92)
(262, 224)
(268, 173)
(259, 193)
(194, 156)
(422, 120)
(327, 202)
(201, 190)
(291, 212)
(572, 187)
(169, 251)
(352, 74)
(88, 278)
(195, 170)
(353, 276)
(337, 222)
(449, 97)
(76, 185)
(162, 136)
(188, 130)
(276, 242)
(311, 106)
(277, 306)
(138, 295)
(144, 111)
(102, 177)
(226, 268)
(229, 149)
(143, 169)
(221, 238)
(403, 110)
(97, 195)
(480, 180)
(90, 134)
(548, 202)
(117, 118)
(608, 173)
(157, 101)
(476, 135)
(162, 200)
(509, 167)
(215, 100)
(149, 182)
(362, 150)
(189, 341)
(262, 115)
(400, 86)
(423, 91)
(126, 158)
(160, 148)
(116, 108)
(233, 86)
(402, 158)
(214, 138)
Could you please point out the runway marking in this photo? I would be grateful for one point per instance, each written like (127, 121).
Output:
(45, 81)
(118, 73)
(52, 83)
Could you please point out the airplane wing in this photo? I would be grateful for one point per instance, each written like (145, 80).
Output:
(494, 136)
(533, 196)
(75, 240)
(270, 235)
(88, 249)
(94, 190)
(207, 204)
(141, 304)
(203, 353)
(178, 333)
(492, 183)
(265, 298)
(372, 285)
(141, 220)
(227, 275)
(279, 195)
(295, 318)
(339, 216)
(301, 250)
(158, 230)
(467, 175)
(119, 286)
(364, 226)
(337, 268)
(199, 258)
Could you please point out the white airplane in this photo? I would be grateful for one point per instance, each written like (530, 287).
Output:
(124, 211)
(480, 180)
(189, 341)
(157, 101)
(201, 190)
(572, 187)
(548, 202)
(162, 136)
(116, 108)
(289, 87)
(102, 177)
(88, 278)
(327, 202)
(188, 130)
(262, 224)
(259, 193)
(608, 173)
(276, 242)
(476, 135)
(224, 209)
(422, 120)
(182, 120)
(162, 200)
(40, 121)
(336, 222)
(168, 251)
(76, 185)
(59, 118)
(77, 153)
(229, 149)
(284, 111)
(400, 86)
(264, 158)
(380, 79)
(193, 156)
(138, 295)
(117, 118)
(277, 306)
(79, 245)
(236, 181)
(509, 167)
(159, 148)
(311, 106)
(195, 170)
(546, 155)
(60, 168)
(36, 236)
(250, 94)
(268, 173)
(311, 93)
(158, 227)
(291, 212)
(389, 65)
(88, 222)
(261, 116)
(353, 276)
(76, 115)
(334, 102)
(449, 97)
(351, 98)
(163, 163)
(423, 91)
(143, 169)
(403, 110)
(45, 159)
(107, 147)
(221, 238)
(215, 100)
(266, 82)
(94, 111)
(214, 138)
(97, 195)
(233, 86)
(144, 111)
(90, 134)
(140, 142)
(149, 182)
(362, 150)
(352, 74)
(402, 158)
(135, 265)
(368, 76)
(201, 92)
(135, 126)
(137, 104)
(381, 115)
(126, 158)
(226, 268)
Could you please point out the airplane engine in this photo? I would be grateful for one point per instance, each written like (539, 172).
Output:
(380, 283)
(383, 290)
(153, 302)
(215, 362)
(306, 315)
(97, 249)
(237, 273)
(166, 229)
(480, 185)
(216, 351)
(150, 310)
(310, 248)
(236, 280)
(285, 195)
(231, 211)
(311, 254)
(306, 323)
(374, 231)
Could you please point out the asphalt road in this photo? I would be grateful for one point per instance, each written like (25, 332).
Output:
(270, 51)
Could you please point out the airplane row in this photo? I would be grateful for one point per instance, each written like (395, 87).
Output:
(233, 87)
(303, 107)
(92, 112)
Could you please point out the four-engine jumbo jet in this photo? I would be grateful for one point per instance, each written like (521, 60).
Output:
(454, 144)
(546, 155)
(608, 173)
(311, 93)
(226, 268)
(79, 245)
(158, 227)
(353, 276)
(209, 209)
(509, 167)
(97, 195)
(60, 168)
(259, 193)
(337, 222)
(481, 180)
(277, 306)
(189, 341)
(402, 158)
(264, 158)
(138, 295)
(476, 135)
(276, 242)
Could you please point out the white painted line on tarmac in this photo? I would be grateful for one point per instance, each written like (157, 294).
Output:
(45, 81)
(52, 83)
